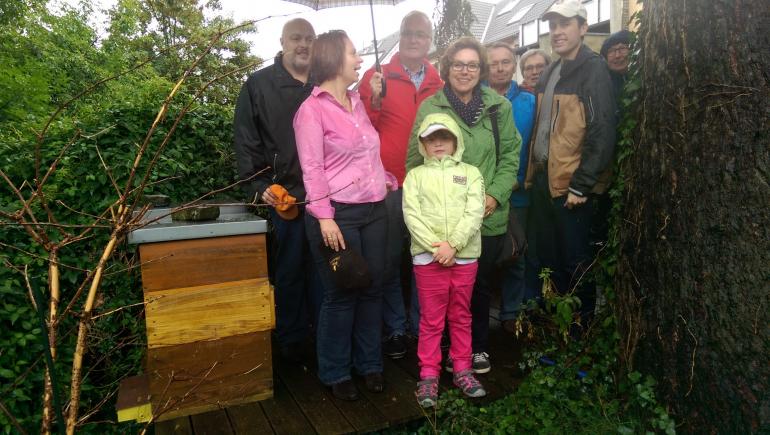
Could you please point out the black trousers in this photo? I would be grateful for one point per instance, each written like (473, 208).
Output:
(482, 290)
(563, 242)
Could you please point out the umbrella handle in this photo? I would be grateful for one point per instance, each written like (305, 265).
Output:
(384, 88)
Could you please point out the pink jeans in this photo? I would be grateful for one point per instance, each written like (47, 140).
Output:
(444, 293)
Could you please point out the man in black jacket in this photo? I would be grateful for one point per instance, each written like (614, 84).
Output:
(571, 149)
(264, 145)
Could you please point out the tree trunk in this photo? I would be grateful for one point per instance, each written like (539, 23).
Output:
(693, 294)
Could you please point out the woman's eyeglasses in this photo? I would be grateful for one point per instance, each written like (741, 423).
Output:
(471, 67)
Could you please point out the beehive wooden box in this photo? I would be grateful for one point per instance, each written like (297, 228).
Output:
(209, 312)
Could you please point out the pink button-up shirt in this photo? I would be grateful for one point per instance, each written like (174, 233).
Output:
(339, 152)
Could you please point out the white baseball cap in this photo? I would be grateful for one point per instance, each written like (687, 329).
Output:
(566, 9)
(434, 128)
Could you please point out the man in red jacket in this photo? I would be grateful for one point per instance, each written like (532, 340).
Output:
(409, 80)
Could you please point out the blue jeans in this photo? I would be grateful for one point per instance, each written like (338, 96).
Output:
(563, 242)
(393, 310)
(298, 292)
(513, 288)
(350, 322)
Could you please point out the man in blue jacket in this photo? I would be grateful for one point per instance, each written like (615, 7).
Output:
(501, 68)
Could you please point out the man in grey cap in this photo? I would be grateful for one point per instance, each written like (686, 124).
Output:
(573, 143)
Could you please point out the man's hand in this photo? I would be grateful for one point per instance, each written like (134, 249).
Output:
(376, 84)
(269, 198)
(490, 205)
(574, 200)
(445, 254)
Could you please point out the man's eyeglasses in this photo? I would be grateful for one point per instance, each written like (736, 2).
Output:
(415, 35)
(620, 50)
(504, 63)
(471, 67)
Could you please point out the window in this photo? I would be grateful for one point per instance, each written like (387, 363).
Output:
(604, 10)
(509, 7)
(519, 14)
(592, 7)
(529, 31)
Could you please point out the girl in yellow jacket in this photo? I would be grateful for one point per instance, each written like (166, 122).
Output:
(443, 209)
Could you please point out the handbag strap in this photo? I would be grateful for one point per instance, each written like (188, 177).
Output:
(495, 130)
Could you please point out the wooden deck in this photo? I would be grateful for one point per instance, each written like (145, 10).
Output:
(302, 405)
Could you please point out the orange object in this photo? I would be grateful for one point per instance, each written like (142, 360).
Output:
(285, 204)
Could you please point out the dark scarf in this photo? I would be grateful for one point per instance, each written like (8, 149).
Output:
(469, 113)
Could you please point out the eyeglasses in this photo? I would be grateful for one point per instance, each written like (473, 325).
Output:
(407, 34)
(504, 62)
(535, 67)
(471, 67)
(620, 50)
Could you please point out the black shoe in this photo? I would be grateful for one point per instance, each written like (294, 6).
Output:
(394, 347)
(293, 352)
(374, 382)
(345, 390)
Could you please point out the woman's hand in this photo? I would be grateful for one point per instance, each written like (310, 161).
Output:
(574, 200)
(445, 254)
(490, 205)
(331, 234)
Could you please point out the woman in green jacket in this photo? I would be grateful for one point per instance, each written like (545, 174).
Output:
(471, 106)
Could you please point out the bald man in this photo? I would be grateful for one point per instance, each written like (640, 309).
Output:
(264, 145)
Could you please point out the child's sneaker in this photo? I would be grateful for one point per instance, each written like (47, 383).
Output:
(427, 392)
(469, 384)
(449, 365)
(481, 363)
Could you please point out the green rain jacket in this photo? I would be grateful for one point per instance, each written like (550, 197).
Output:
(499, 176)
(444, 199)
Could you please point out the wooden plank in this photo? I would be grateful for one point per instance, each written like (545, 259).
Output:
(198, 377)
(191, 263)
(211, 423)
(249, 419)
(179, 426)
(361, 414)
(397, 401)
(134, 399)
(284, 414)
(210, 312)
(311, 396)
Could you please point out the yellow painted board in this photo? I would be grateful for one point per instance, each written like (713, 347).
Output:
(140, 413)
(209, 312)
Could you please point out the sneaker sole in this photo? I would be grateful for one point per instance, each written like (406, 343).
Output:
(482, 371)
(427, 403)
(394, 355)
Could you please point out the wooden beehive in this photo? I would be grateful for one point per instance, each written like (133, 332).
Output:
(209, 312)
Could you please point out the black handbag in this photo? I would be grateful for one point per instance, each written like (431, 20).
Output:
(514, 244)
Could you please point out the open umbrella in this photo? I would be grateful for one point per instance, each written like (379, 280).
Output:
(324, 4)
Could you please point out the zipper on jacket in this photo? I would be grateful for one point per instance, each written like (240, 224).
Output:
(443, 190)
(275, 170)
(555, 118)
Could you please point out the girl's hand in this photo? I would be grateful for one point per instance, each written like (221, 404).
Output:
(331, 234)
(445, 254)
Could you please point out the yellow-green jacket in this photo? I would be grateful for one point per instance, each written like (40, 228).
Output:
(499, 174)
(444, 199)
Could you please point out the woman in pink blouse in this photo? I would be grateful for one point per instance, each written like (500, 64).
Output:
(346, 184)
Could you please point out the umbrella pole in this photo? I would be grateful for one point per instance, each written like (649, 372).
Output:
(377, 66)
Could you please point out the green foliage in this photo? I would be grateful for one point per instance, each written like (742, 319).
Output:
(46, 59)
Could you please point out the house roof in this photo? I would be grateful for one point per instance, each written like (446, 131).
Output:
(508, 16)
(482, 12)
